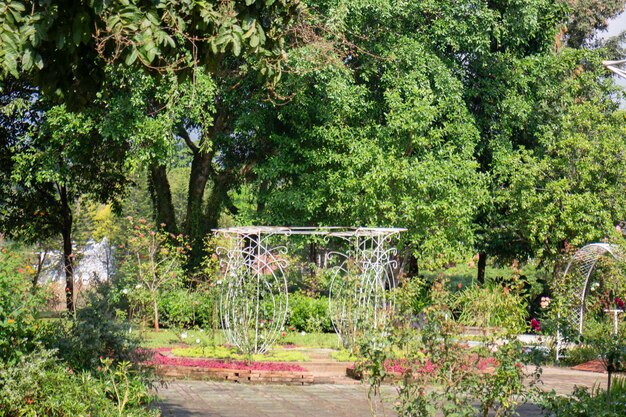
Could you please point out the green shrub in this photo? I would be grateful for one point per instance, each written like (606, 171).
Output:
(18, 307)
(182, 308)
(38, 385)
(585, 403)
(492, 306)
(309, 314)
(580, 354)
(94, 332)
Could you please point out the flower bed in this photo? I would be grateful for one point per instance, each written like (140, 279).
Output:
(236, 371)
(396, 367)
(159, 358)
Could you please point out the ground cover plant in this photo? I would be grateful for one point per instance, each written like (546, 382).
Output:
(168, 360)
(221, 352)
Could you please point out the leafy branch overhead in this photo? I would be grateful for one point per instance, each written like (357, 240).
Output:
(65, 45)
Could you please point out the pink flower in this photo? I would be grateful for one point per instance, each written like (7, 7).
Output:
(535, 325)
(619, 302)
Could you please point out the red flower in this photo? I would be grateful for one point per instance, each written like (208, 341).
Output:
(535, 325)
(619, 302)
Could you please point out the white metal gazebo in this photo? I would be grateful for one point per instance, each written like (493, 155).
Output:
(254, 291)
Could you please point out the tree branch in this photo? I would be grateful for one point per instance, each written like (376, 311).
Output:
(182, 132)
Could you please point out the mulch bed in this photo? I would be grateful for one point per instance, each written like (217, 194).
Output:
(591, 366)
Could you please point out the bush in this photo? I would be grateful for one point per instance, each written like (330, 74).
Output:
(18, 307)
(94, 332)
(38, 385)
(583, 403)
(182, 308)
(580, 354)
(492, 306)
(309, 314)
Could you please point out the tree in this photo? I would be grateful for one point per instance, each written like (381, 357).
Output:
(566, 188)
(65, 45)
(588, 17)
(47, 165)
(380, 136)
(154, 261)
(197, 129)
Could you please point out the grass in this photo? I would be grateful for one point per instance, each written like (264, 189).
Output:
(343, 355)
(174, 337)
(221, 352)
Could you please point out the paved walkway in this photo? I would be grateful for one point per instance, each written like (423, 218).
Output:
(219, 399)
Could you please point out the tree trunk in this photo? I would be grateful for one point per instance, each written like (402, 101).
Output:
(482, 266)
(412, 267)
(217, 199)
(194, 223)
(156, 313)
(41, 260)
(260, 205)
(162, 197)
(68, 255)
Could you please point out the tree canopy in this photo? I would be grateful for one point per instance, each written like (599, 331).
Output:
(481, 126)
(65, 45)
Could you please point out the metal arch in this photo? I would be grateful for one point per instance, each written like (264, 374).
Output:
(254, 274)
(576, 281)
(583, 263)
(253, 296)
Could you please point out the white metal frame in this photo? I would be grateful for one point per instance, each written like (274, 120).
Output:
(576, 282)
(254, 263)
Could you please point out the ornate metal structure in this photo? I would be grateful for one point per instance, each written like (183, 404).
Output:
(254, 292)
(360, 296)
(253, 296)
(576, 282)
(614, 66)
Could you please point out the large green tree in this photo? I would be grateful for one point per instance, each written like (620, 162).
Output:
(564, 186)
(50, 157)
(379, 135)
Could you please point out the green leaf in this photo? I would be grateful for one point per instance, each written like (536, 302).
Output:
(27, 59)
(236, 46)
(254, 41)
(131, 57)
(38, 61)
(15, 5)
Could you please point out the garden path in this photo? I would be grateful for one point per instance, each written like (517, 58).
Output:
(220, 399)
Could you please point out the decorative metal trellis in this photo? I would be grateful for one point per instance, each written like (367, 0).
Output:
(254, 292)
(360, 296)
(576, 282)
(614, 66)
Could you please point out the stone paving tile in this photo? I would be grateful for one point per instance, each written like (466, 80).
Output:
(227, 399)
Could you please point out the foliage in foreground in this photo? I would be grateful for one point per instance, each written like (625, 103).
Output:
(585, 403)
(40, 385)
(441, 373)
(75, 367)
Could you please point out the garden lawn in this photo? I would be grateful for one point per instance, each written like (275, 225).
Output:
(177, 337)
(221, 352)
